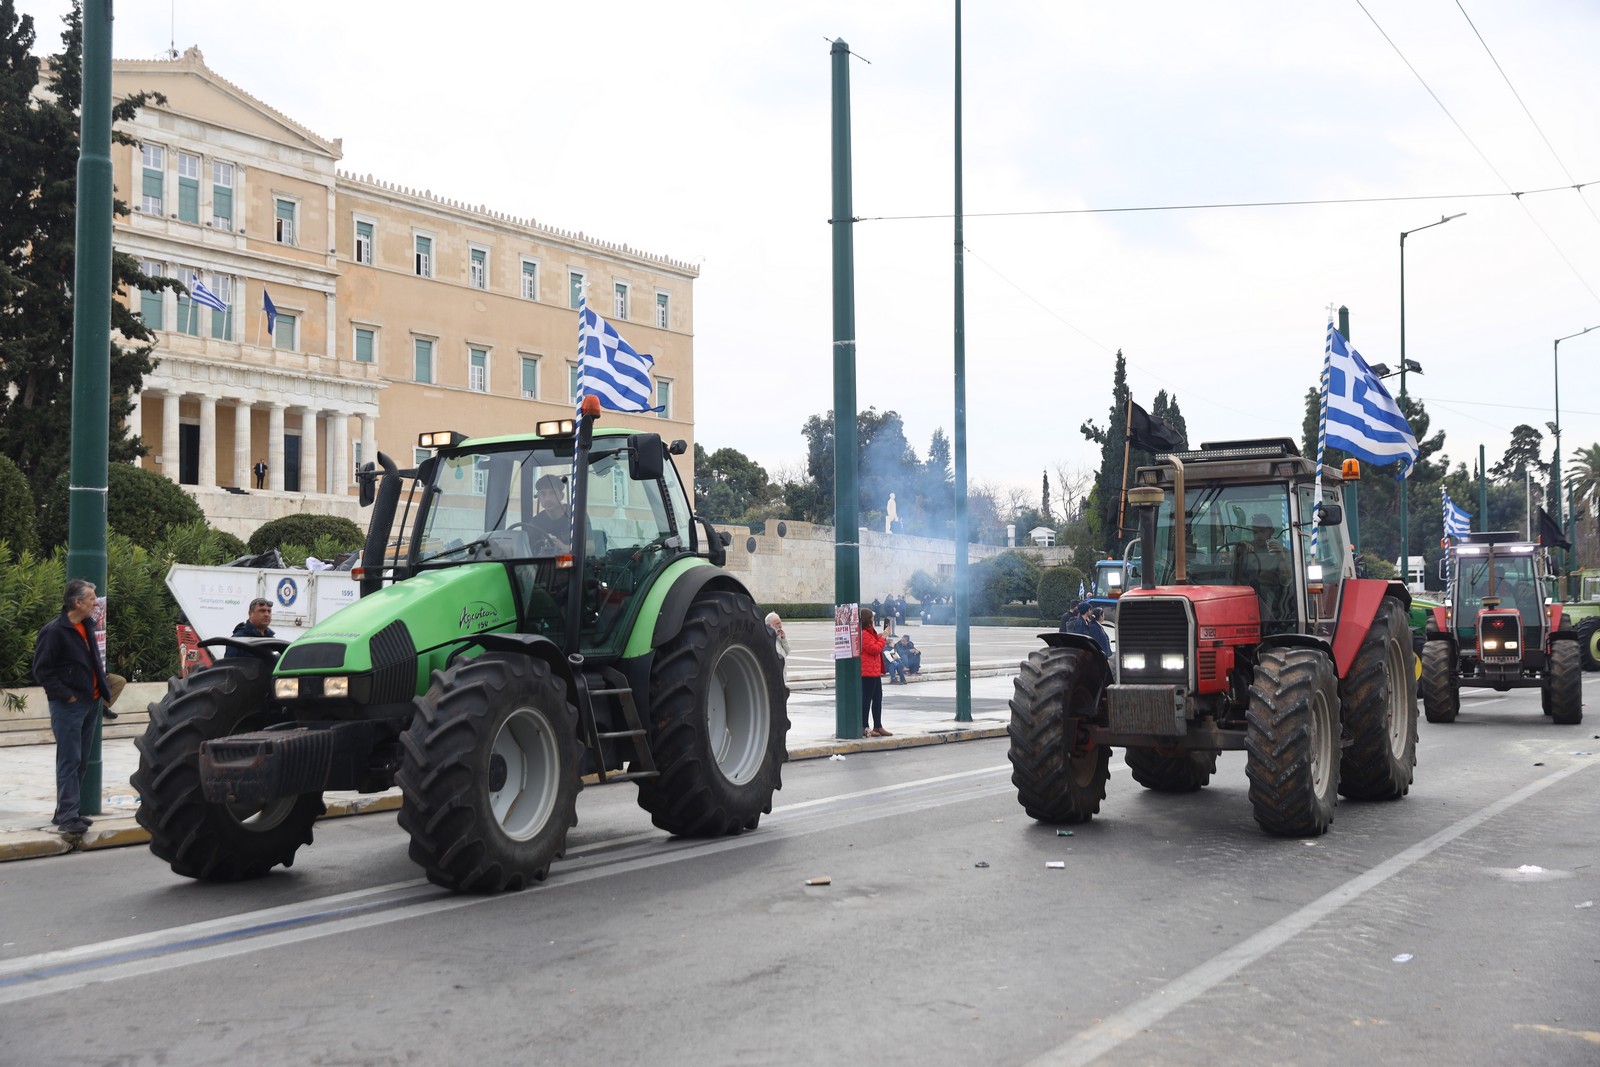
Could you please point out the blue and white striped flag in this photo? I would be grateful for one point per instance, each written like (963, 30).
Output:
(1457, 523)
(608, 367)
(203, 296)
(1359, 415)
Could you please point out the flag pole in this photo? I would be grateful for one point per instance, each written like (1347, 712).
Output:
(1322, 436)
(260, 318)
(1122, 486)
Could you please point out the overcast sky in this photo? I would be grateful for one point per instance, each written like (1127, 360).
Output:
(700, 130)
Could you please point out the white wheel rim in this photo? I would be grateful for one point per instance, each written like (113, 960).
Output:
(261, 818)
(1399, 726)
(526, 742)
(1321, 742)
(738, 714)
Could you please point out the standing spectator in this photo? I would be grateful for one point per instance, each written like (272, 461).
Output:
(871, 677)
(66, 661)
(260, 471)
(1093, 628)
(258, 624)
(780, 640)
(1075, 621)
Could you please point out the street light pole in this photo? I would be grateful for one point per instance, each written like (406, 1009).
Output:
(1405, 539)
(1556, 486)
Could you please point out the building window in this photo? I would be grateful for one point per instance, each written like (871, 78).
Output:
(478, 370)
(478, 272)
(364, 243)
(420, 456)
(424, 258)
(619, 306)
(285, 334)
(222, 196)
(664, 398)
(188, 311)
(154, 158)
(574, 375)
(423, 369)
(530, 378)
(222, 321)
(188, 188)
(530, 280)
(355, 460)
(574, 288)
(366, 344)
(663, 310)
(284, 227)
(150, 299)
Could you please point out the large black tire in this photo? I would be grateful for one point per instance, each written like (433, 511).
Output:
(1182, 772)
(214, 842)
(1292, 742)
(719, 721)
(1564, 683)
(1057, 780)
(1380, 711)
(1441, 689)
(1589, 643)
(489, 774)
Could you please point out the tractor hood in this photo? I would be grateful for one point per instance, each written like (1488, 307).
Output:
(1225, 613)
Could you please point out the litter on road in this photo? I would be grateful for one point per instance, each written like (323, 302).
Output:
(1056, 865)
(820, 880)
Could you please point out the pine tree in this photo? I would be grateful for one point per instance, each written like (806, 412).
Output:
(1044, 502)
(1107, 491)
(38, 223)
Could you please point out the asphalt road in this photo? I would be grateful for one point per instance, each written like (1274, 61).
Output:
(1414, 932)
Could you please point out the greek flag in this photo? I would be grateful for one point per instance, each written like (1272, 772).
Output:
(1457, 523)
(608, 367)
(203, 296)
(1359, 415)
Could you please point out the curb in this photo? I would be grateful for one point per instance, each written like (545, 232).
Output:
(815, 682)
(820, 751)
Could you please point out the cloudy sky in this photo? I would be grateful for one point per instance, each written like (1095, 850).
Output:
(700, 130)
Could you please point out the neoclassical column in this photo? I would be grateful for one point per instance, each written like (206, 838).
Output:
(241, 446)
(369, 439)
(275, 447)
(208, 441)
(308, 450)
(338, 452)
(169, 434)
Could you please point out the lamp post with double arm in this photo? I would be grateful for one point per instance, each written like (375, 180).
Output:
(1556, 480)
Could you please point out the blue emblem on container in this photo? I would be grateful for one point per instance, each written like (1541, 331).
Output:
(287, 592)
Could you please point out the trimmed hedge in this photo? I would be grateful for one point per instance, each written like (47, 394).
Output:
(306, 530)
(792, 612)
(19, 519)
(140, 505)
(1058, 590)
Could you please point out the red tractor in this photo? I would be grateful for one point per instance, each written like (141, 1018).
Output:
(1241, 636)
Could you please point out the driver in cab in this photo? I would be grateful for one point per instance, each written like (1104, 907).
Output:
(1262, 562)
(554, 519)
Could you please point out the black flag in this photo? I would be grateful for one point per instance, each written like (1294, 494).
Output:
(1550, 535)
(1153, 434)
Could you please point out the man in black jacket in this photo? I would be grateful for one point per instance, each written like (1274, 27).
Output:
(66, 661)
(257, 624)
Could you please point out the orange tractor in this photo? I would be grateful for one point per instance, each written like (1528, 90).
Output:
(1249, 631)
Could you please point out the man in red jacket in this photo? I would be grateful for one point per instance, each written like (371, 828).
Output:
(66, 661)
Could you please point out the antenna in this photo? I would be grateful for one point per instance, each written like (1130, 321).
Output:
(172, 42)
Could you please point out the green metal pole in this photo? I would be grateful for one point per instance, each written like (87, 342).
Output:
(1405, 539)
(1555, 487)
(846, 520)
(1352, 515)
(963, 601)
(91, 337)
(1483, 493)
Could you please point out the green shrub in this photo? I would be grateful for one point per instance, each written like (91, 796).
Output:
(197, 543)
(792, 612)
(19, 520)
(141, 616)
(140, 504)
(305, 530)
(30, 596)
(1059, 588)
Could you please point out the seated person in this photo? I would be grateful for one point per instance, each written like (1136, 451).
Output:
(554, 520)
(1263, 564)
(910, 654)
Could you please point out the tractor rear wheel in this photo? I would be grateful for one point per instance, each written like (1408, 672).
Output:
(718, 723)
(200, 839)
(1380, 711)
(1564, 683)
(1292, 742)
(1183, 772)
(1589, 643)
(1057, 778)
(489, 774)
(1441, 689)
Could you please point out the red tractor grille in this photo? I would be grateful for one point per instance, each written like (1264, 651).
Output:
(1500, 637)
(1206, 661)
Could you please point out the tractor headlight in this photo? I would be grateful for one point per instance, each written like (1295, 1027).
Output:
(1510, 645)
(1314, 572)
(1133, 661)
(1490, 644)
(286, 688)
(1172, 661)
(336, 687)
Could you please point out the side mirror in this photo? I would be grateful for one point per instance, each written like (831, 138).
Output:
(716, 544)
(1330, 515)
(679, 447)
(1444, 568)
(367, 484)
(646, 457)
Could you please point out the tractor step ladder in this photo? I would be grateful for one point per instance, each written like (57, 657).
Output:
(643, 763)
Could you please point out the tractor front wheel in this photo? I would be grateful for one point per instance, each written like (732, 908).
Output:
(217, 842)
(1380, 711)
(1563, 684)
(1292, 742)
(718, 721)
(1058, 779)
(489, 774)
(1441, 689)
(1183, 772)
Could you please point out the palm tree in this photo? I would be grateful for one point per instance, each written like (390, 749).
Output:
(1585, 475)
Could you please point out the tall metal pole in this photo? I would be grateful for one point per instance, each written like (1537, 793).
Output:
(846, 520)
(1555, 488)
(1352, 515)
(91, 338)
(1483, 492)
(963, 601)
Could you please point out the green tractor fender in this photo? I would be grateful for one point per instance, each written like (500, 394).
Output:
(665, 606)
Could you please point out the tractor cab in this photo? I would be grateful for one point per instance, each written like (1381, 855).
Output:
(1498, 595)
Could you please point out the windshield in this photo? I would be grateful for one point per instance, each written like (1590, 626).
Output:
(1514, 582)
(1236, 535)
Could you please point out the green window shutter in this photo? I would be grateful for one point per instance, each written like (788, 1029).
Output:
(150, 308)
(364, 230)
(188, 200)
(530, 377)
(363, 346)
(222, 202)
(222, 325)
(153, 183)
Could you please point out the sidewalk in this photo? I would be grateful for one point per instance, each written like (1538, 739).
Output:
(27, 770)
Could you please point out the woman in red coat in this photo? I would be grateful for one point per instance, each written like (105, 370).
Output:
(871, 677)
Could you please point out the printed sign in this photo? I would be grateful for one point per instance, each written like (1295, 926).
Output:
(846, 632)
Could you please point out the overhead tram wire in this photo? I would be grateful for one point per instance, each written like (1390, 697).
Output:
(1507, 78)
(1581, 280)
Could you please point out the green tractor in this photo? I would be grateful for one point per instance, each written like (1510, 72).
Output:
(1583, 615)
(553, 611)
